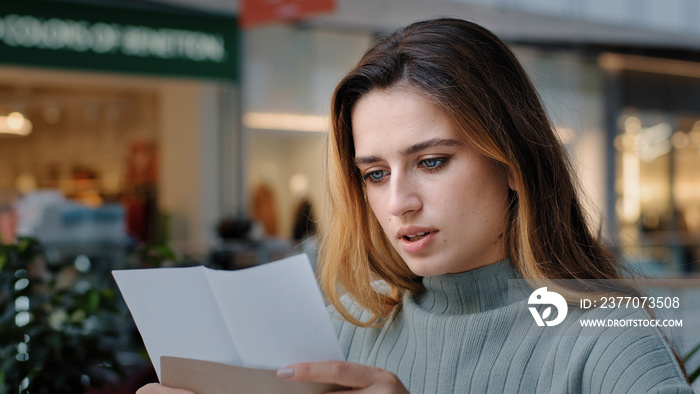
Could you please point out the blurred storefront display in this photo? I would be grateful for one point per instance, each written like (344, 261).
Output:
(129, 105)
(285, 116)
(657, 150)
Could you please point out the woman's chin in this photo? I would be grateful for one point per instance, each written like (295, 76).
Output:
(426, 267)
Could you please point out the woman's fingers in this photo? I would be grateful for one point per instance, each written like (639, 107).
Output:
(344, 374)
(155, 388)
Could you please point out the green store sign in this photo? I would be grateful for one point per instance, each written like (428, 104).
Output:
(144, 41)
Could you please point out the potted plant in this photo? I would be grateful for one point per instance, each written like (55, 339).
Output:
(58, 329)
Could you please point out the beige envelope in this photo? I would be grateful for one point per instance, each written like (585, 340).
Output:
(205, 377)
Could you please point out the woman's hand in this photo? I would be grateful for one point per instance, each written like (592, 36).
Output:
(360, 378)
(155, 388)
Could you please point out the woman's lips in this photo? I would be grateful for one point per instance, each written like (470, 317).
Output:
(419, 242)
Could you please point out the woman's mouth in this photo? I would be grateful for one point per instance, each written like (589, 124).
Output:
(417, 242)
(417, 236)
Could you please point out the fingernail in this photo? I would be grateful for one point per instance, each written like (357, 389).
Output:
(285, 373)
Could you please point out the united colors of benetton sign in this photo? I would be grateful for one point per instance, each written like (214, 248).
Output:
(57, 34)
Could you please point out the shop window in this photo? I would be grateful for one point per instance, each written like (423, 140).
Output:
(658, 190)
(90, 148)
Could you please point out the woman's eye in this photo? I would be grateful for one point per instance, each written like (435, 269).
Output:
(432, 163)
(375, 176)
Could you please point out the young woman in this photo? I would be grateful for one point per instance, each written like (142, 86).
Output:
(445, 182)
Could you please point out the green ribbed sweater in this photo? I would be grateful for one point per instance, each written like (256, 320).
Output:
(457, 338)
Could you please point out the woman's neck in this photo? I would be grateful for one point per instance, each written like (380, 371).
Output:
(474, 291)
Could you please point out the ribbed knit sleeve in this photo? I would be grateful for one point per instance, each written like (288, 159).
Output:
(460, 336)
(632, 364)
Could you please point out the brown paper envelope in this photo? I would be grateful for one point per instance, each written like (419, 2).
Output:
(206, 377)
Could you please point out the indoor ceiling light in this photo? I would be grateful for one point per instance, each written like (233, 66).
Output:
(15, 124)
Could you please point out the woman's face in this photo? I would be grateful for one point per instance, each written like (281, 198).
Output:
(443, 206)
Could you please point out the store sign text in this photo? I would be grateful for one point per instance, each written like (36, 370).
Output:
(111, 38)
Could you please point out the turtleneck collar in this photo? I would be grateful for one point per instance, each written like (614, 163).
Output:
(474, 291)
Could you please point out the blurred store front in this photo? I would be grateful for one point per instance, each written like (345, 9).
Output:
(119, 144)
(125, 122)
(657, 152)
(286, 113)
(191, 127)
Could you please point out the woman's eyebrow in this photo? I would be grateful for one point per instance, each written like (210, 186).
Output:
(415, 148)
(366, 160)
(431, 143)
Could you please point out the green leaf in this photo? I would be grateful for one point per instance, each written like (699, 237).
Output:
(23, 244)
(93, 301)
(694, 375)
(691, 353)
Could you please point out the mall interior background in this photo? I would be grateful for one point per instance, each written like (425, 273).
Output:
(219, 167)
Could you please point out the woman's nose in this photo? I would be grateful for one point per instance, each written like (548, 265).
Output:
(404, 195)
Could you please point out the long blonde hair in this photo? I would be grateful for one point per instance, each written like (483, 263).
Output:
(478, 82)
